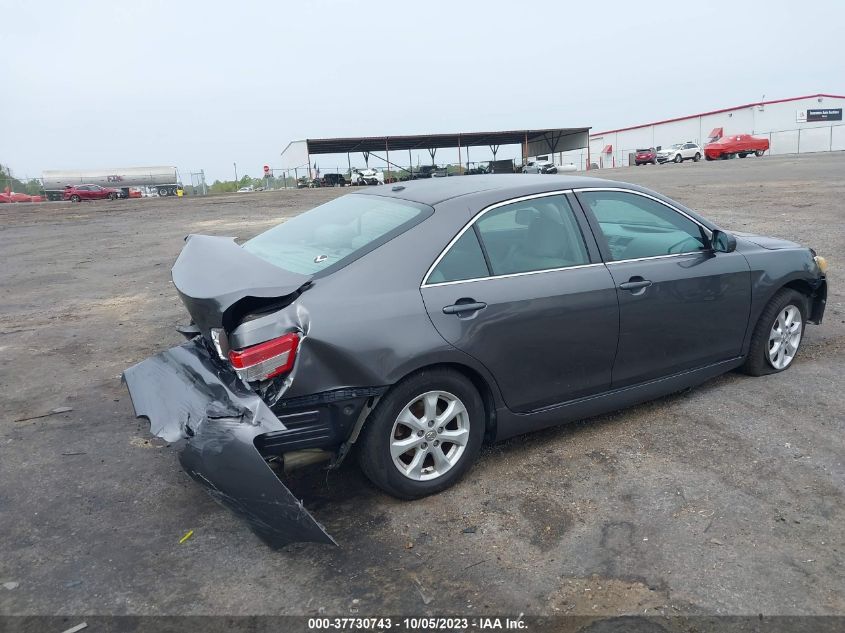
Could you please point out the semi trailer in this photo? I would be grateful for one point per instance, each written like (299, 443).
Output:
(162, 180)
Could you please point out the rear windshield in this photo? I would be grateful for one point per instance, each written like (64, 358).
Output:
(331, 235)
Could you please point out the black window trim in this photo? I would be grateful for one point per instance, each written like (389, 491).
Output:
(492, 207)
(602, 240)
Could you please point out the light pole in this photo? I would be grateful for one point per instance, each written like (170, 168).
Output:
(236, 175)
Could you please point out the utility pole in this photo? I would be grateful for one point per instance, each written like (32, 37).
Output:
(236, 175)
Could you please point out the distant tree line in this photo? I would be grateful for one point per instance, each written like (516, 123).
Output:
(229, 186)
(31, 187)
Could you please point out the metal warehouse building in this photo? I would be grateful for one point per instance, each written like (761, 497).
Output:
(796, 125)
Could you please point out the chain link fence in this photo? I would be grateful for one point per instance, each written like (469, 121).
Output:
(805, 140)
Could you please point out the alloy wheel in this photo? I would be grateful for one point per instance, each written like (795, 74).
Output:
(429, 435)
(784, 337)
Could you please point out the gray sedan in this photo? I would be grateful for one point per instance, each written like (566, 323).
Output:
(411, 325)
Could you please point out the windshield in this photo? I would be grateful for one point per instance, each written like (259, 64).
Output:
(336, 232)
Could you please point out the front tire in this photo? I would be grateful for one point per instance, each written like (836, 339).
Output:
(424, 434)
(678, 158)
(75, 198)
(778, 334)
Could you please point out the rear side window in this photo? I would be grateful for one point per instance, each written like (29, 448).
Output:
(465, 260)
(332, 235)
(532, 235)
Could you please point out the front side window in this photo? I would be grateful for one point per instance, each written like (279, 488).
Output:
(335, 233)
(635, 226)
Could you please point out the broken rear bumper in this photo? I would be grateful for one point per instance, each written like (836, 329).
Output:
(214, 420)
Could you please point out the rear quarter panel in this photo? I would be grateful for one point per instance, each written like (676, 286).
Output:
(366, 324)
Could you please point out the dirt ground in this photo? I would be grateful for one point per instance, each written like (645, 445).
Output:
(726, 499)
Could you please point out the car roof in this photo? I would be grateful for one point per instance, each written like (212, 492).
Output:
(434, 191)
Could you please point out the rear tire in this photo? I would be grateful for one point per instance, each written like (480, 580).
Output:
(742, 154)
(781, 310)
(759, 153)
(416, 413)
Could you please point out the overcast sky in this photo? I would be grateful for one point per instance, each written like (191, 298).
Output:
(203, 84)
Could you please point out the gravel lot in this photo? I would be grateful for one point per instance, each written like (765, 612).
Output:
(727, 499)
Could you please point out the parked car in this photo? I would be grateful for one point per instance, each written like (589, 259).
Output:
(538, 167)
(423, 171)
(334, 180)
(368, 176)
(414, 325)
(646, 156)
(18, 197)
(736, 145)
(247, 189)
(135, 192)
(76, 193)
(679, 152)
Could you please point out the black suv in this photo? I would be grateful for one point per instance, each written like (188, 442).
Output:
(334, 180)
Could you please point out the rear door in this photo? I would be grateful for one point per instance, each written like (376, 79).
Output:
(681, 305)
(522, 291)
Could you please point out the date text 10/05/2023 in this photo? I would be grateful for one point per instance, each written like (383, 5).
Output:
(417, 623)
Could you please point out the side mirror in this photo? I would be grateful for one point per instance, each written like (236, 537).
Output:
(722, 242)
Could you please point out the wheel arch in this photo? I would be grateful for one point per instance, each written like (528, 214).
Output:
(479, 381)
(815, 297)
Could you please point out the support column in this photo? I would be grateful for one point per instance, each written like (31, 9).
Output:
(459, 155)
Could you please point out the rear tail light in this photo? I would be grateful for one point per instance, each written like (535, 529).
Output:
(265, 360)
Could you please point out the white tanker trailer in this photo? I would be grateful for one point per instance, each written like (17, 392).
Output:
(164, 180)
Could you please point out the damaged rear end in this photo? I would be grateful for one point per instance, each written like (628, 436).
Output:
(207, 398)
(249, 389)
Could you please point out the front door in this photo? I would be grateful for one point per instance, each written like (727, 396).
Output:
(681, 305)
(519, 292)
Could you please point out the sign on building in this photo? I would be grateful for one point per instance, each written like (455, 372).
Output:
(819, 114)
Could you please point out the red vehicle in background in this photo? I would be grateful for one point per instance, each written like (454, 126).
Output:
(11, 196)
(736, 144)
(645, 156)
(76, 193)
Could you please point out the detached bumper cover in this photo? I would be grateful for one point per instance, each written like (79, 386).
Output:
(214, 419)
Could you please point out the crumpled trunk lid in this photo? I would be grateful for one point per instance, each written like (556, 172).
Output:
(213, 419)
(219, 282)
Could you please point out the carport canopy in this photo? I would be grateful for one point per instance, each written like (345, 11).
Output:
(534, 142)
